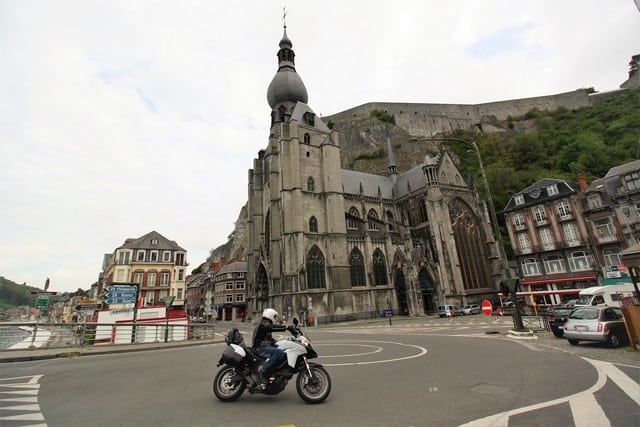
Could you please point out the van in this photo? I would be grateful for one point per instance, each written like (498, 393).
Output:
(448, 310)
(605, 295)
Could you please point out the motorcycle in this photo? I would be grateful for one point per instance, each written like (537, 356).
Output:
(240, 369)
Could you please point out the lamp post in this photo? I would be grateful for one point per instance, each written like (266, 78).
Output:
(492, 210)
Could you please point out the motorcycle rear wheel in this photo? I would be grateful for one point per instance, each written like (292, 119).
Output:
(316, 389)
(224, 387)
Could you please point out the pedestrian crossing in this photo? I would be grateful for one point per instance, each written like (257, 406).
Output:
(429, 327)
(19, 402)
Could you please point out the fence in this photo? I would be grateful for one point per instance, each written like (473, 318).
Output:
(14, 336)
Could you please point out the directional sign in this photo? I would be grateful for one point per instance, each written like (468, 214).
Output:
(122, 294)
(42, 303)
(487, 308)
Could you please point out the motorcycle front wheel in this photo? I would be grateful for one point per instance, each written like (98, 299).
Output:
(224, 386)
(313, 389)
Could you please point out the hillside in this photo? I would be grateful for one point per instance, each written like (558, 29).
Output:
(13, 295)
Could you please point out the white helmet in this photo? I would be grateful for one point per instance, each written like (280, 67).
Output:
(271, 314)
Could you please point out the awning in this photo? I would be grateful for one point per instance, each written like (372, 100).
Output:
(559, 280)
(616, 280)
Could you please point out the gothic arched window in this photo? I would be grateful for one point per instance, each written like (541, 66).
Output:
(390, 220)
(374, 222)
(356, 268)
(313, 225)
(310, 184)
(315, 269)
(379, 268)
(353, 218)
(307, 138)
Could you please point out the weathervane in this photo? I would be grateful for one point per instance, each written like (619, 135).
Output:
(284, 16)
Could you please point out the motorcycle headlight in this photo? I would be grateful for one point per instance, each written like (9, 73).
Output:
(305, 342)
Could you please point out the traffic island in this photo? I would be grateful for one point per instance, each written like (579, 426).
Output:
(522, 334)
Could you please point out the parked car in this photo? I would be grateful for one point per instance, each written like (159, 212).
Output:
(557, 317)
(448, 310)
(567, 303)
(596, 323)
(471, 309)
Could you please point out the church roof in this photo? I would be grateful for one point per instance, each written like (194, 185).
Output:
(353, 182)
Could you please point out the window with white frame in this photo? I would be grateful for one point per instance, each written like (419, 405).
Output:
(164, 279)
(179, 294)
(239, 297)
(546, 237)
(140, 255)
(181, 274)
(554, 264)
(579, 261)
(612, 256)
(604, 228)
(594, 201)
(166, 256)
(229, 286)
(552, 190)
(228, 298)
(518, 220)
(632, 180)
(151, 279)
(137, 277)
(540, 214)
(153, 256)
(518, 199)
(571, 233)
(530, 267)
(524, 241)
(120, 275)
(564, 210)
(240, 285)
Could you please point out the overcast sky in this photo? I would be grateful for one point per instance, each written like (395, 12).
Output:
(122, 117)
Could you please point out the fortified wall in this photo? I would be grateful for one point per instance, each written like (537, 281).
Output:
(430, 119)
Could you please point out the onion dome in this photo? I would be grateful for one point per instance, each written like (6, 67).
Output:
(286, 85)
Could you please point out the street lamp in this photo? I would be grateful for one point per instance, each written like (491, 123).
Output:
(492, 210)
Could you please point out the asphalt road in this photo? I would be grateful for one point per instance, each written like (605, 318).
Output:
(437, 373)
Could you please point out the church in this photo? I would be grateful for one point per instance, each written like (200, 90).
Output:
(336, 244)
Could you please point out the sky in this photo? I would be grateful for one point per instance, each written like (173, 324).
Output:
(121, 117)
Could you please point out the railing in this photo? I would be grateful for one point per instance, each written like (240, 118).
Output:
(20, 336)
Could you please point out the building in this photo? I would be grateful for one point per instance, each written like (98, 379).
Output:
(550, 242)
(340, 243)
(230, 296)
(153, 262)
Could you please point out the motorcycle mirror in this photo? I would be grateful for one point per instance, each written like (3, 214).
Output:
(295, 321)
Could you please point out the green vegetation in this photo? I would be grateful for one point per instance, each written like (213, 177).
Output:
(383, 116)
(14, 295)
(563, 144)
(369, 155)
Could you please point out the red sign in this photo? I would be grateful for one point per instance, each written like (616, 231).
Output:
(487, 308)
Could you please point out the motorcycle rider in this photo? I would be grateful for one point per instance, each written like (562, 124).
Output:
(264, 344)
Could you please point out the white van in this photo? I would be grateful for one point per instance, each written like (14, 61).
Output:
(608, 295)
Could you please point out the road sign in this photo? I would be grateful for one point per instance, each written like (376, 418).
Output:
(487, 308)
(122, 294)
(42, 303)
(87, 302)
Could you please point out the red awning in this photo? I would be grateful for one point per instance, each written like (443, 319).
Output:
(559, 280)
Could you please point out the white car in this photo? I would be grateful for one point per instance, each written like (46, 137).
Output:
(471, 309)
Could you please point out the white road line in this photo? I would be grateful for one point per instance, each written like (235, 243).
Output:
(630, 387)
(22, 386)
(587, 412)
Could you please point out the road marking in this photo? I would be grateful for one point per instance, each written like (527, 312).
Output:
(422, 352)
(9, 388)
(377, 349)
(585, 409)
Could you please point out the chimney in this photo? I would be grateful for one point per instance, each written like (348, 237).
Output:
(583, 183)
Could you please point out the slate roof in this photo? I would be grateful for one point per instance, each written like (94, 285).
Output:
(144, 242)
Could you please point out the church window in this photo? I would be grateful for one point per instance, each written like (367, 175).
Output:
(313, 225)
(315, 269)
(310, 184)
(307, 138)
(309, 118)
(373, 220)
(353, 218)
(379, 268)
(390, 221)
(356, 268)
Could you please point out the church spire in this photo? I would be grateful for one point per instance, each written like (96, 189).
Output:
(392, 159)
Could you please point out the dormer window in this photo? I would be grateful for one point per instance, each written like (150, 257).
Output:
(552, 190)
(309, 118)
(632, 181)
(518, 199)
(154, 241)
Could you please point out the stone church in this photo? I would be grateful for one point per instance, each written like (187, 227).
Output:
(340, 244)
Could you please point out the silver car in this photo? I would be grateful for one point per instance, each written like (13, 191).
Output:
(603, 324)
